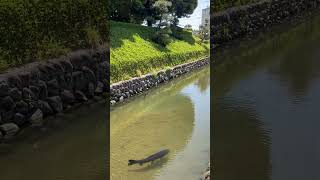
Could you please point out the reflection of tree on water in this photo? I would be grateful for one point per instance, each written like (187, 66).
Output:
(264, 50)
(300, 63)
(203, 81)
(241, 145)
(299, 69)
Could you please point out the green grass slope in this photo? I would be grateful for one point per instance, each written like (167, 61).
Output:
(133, 53)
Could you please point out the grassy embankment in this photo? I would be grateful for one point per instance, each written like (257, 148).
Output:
(133, 53)
(38, 30)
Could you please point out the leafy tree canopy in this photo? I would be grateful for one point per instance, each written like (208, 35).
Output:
(151, 11)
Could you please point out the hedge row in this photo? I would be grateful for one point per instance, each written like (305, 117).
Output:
(37, 29)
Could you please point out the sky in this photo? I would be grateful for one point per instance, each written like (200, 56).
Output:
(195, 18)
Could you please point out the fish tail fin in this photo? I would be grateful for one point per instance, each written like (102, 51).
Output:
(131, 162)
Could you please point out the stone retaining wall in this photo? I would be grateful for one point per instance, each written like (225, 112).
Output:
(40, 89)
(125, 89)
(238, 22)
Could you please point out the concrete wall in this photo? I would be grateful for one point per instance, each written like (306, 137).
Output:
(40, 89)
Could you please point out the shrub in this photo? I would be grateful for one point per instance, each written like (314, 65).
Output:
(162, 36)
(177, 32)
(26, 26)
(50, 48)
(93, 38)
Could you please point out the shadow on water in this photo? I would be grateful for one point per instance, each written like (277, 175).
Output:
(155, 165)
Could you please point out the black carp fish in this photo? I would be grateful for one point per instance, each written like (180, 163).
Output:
(150, 158)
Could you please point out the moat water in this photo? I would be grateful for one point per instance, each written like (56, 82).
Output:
(266, 106)
(71, 147)
(175, 116)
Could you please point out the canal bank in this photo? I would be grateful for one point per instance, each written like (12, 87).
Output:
(32, 92)
(135, 86)
(265, 105)
(240, 22)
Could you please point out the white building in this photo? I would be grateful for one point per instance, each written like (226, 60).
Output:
(205, 20)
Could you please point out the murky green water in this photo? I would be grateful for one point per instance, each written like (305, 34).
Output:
(266, 107)
(72, 148)
(174, 116)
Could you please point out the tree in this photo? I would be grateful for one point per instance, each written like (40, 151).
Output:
(161, 8)
(151, 11)
(183, 8)
(120, 10)
(150, 15)
(127, 11)
(204, 33)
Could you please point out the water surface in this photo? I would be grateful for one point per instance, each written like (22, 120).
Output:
(174, 116)
(71, 148)
(266, 106)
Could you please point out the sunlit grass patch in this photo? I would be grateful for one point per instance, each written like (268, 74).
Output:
(134, 53)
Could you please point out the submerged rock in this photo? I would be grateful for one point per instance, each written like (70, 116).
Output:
(9, 129)
(37, 118)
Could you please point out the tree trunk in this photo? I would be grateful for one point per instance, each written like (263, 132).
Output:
(149, 23)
